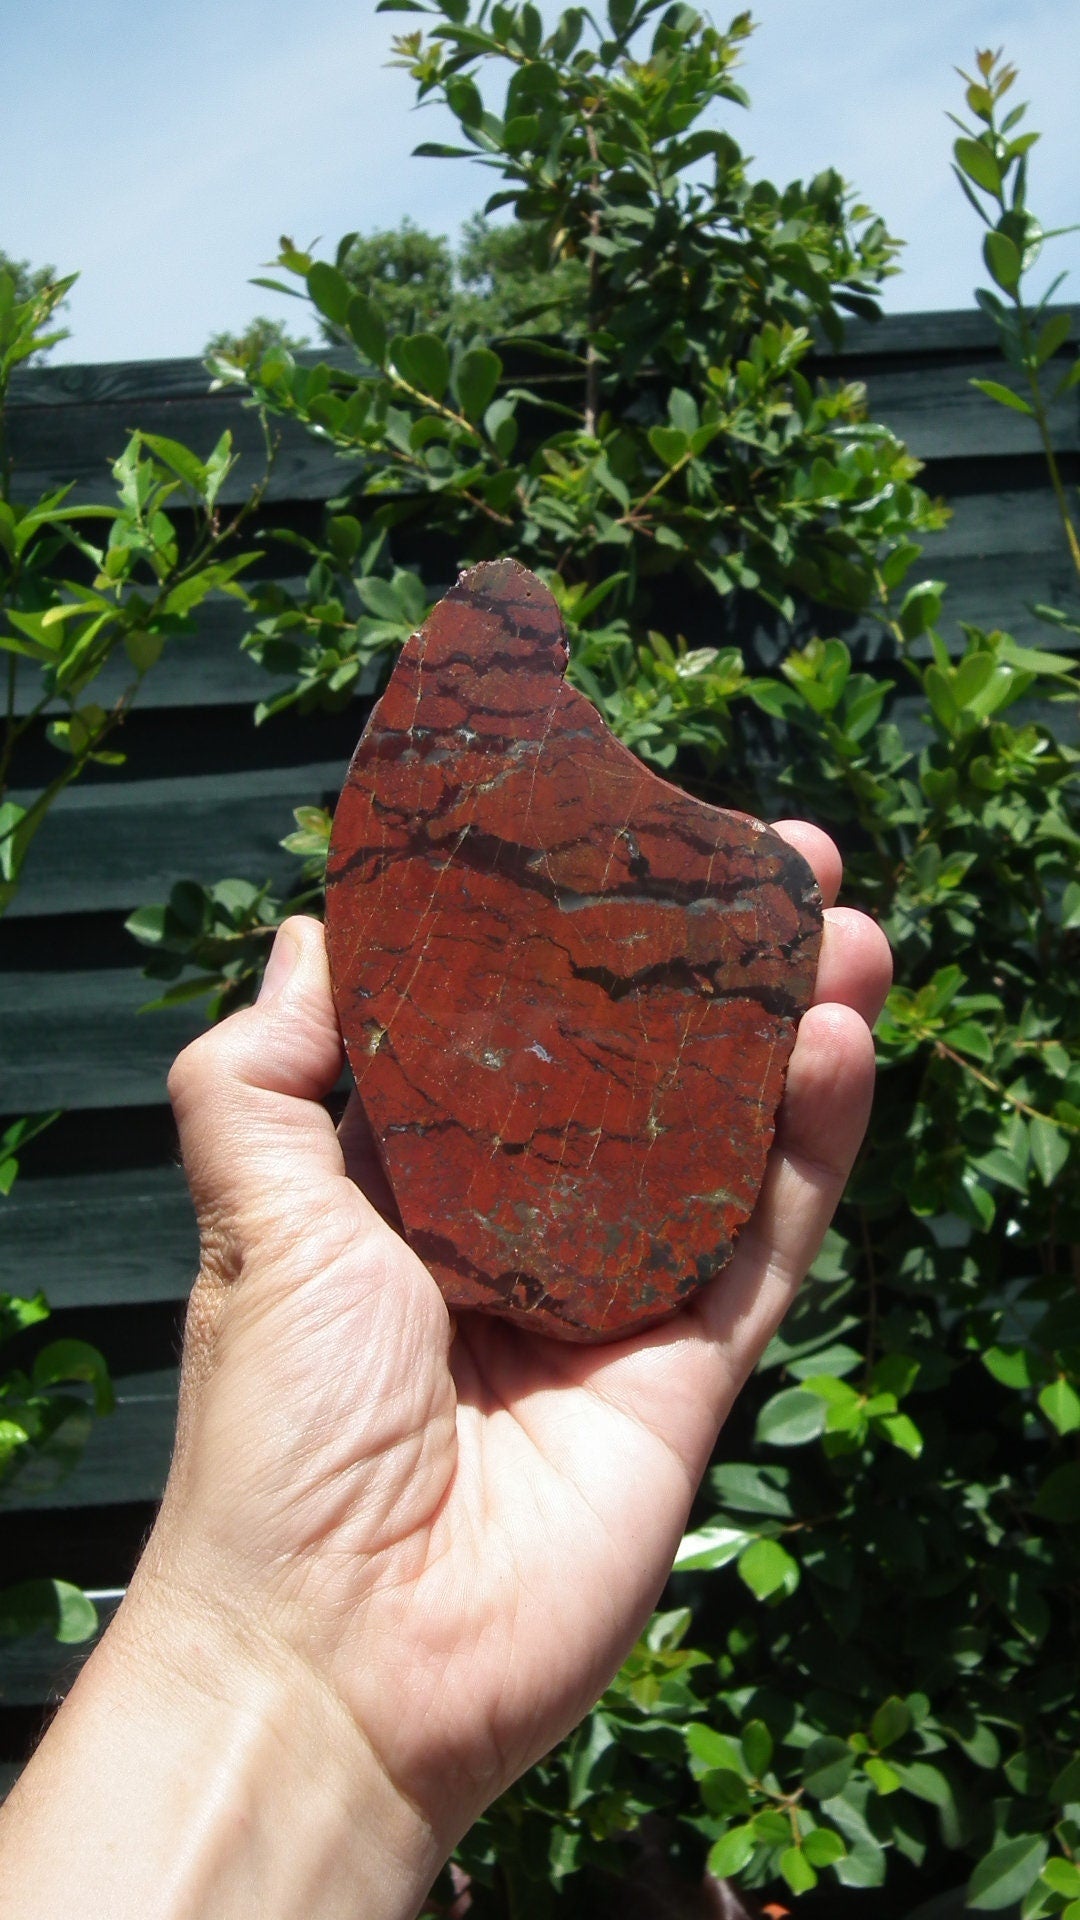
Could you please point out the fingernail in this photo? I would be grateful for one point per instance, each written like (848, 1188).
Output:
(284, 955)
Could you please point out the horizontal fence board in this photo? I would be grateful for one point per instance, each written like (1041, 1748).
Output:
(108, 382)
(114, 846)
(117, 1238)
(926, 410)
(54, 447)
(207, 668)
(202, 669)
(1014, 534)
(125, 843)
(76, 1040)
(127, 1455)
(952, 331)
(69, 423)
(941, 417)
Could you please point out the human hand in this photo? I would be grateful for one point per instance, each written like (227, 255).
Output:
(439, 1542)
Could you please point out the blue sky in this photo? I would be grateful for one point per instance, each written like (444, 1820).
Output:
(162, 150)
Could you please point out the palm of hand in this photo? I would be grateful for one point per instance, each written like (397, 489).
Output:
(464, 1539)
(494, 1516)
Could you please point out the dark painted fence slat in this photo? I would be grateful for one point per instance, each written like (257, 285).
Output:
(77, 1040)
(127, 1455)
(121, 1237)
(124, 843)
(37, 1669)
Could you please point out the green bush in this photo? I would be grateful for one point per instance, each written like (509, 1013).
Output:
(68, 607)
(869, 1657)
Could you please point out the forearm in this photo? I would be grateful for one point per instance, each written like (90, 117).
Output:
(179, 1782)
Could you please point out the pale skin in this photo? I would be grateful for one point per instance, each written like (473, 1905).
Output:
(396, 1561)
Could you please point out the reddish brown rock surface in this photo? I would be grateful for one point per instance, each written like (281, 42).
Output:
(568, 991)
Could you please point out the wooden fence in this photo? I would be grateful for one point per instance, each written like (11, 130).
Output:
(100, 1218)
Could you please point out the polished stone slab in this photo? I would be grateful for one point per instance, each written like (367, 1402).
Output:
(568, 990)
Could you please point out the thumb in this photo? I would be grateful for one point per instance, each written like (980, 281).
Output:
(257, 1144)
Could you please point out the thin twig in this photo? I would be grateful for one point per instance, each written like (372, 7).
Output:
(1033, 1113)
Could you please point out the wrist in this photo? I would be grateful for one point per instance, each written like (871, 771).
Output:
(205, 1770)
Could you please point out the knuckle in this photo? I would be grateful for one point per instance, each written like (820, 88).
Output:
(187, 1070)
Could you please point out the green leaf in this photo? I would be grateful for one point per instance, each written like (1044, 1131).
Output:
(827, 1766)
(978, 162)
(51, 1606)
(330, 292)
(65, 1360)
(729, 1855)
(890, 1723)
(1053, 336)
(178, 996)
(1049, 1149)
(791, 1418)
(885, 1778)
(475, 380)
(179, 458)
(422, 361)
(218, 467)
(1063, 1876)
(16, 1312)
(971, 1039)
(1058, 1499)
(1066, 1785)
(345, 534)
(919, 609)
(366, 325)
(926, 1782)
(710, 1546)
(864, 1865)
(683, 410)
(797, 1870)
(757, 1745)
(768, 1569)
(15, 1136)
(1004, 1875)
(753, 1489)
(1012, 1366)
(714, 1752)
(1005, 396)
(1002, 257)
(1061, 1404)
(144, 650)
(500, 425)
(823, 1847)
(901, 1431)
(669, 444)
(381, 598)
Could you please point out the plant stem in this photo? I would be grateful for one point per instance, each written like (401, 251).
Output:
(1072, 541)
(592, 358)
(945, 1052)
(872, 1288)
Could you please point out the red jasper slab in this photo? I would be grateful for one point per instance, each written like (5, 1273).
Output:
(568, 991)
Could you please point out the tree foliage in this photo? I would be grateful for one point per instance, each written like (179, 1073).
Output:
(492, 281)
(867, 1657)
(258, 338)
